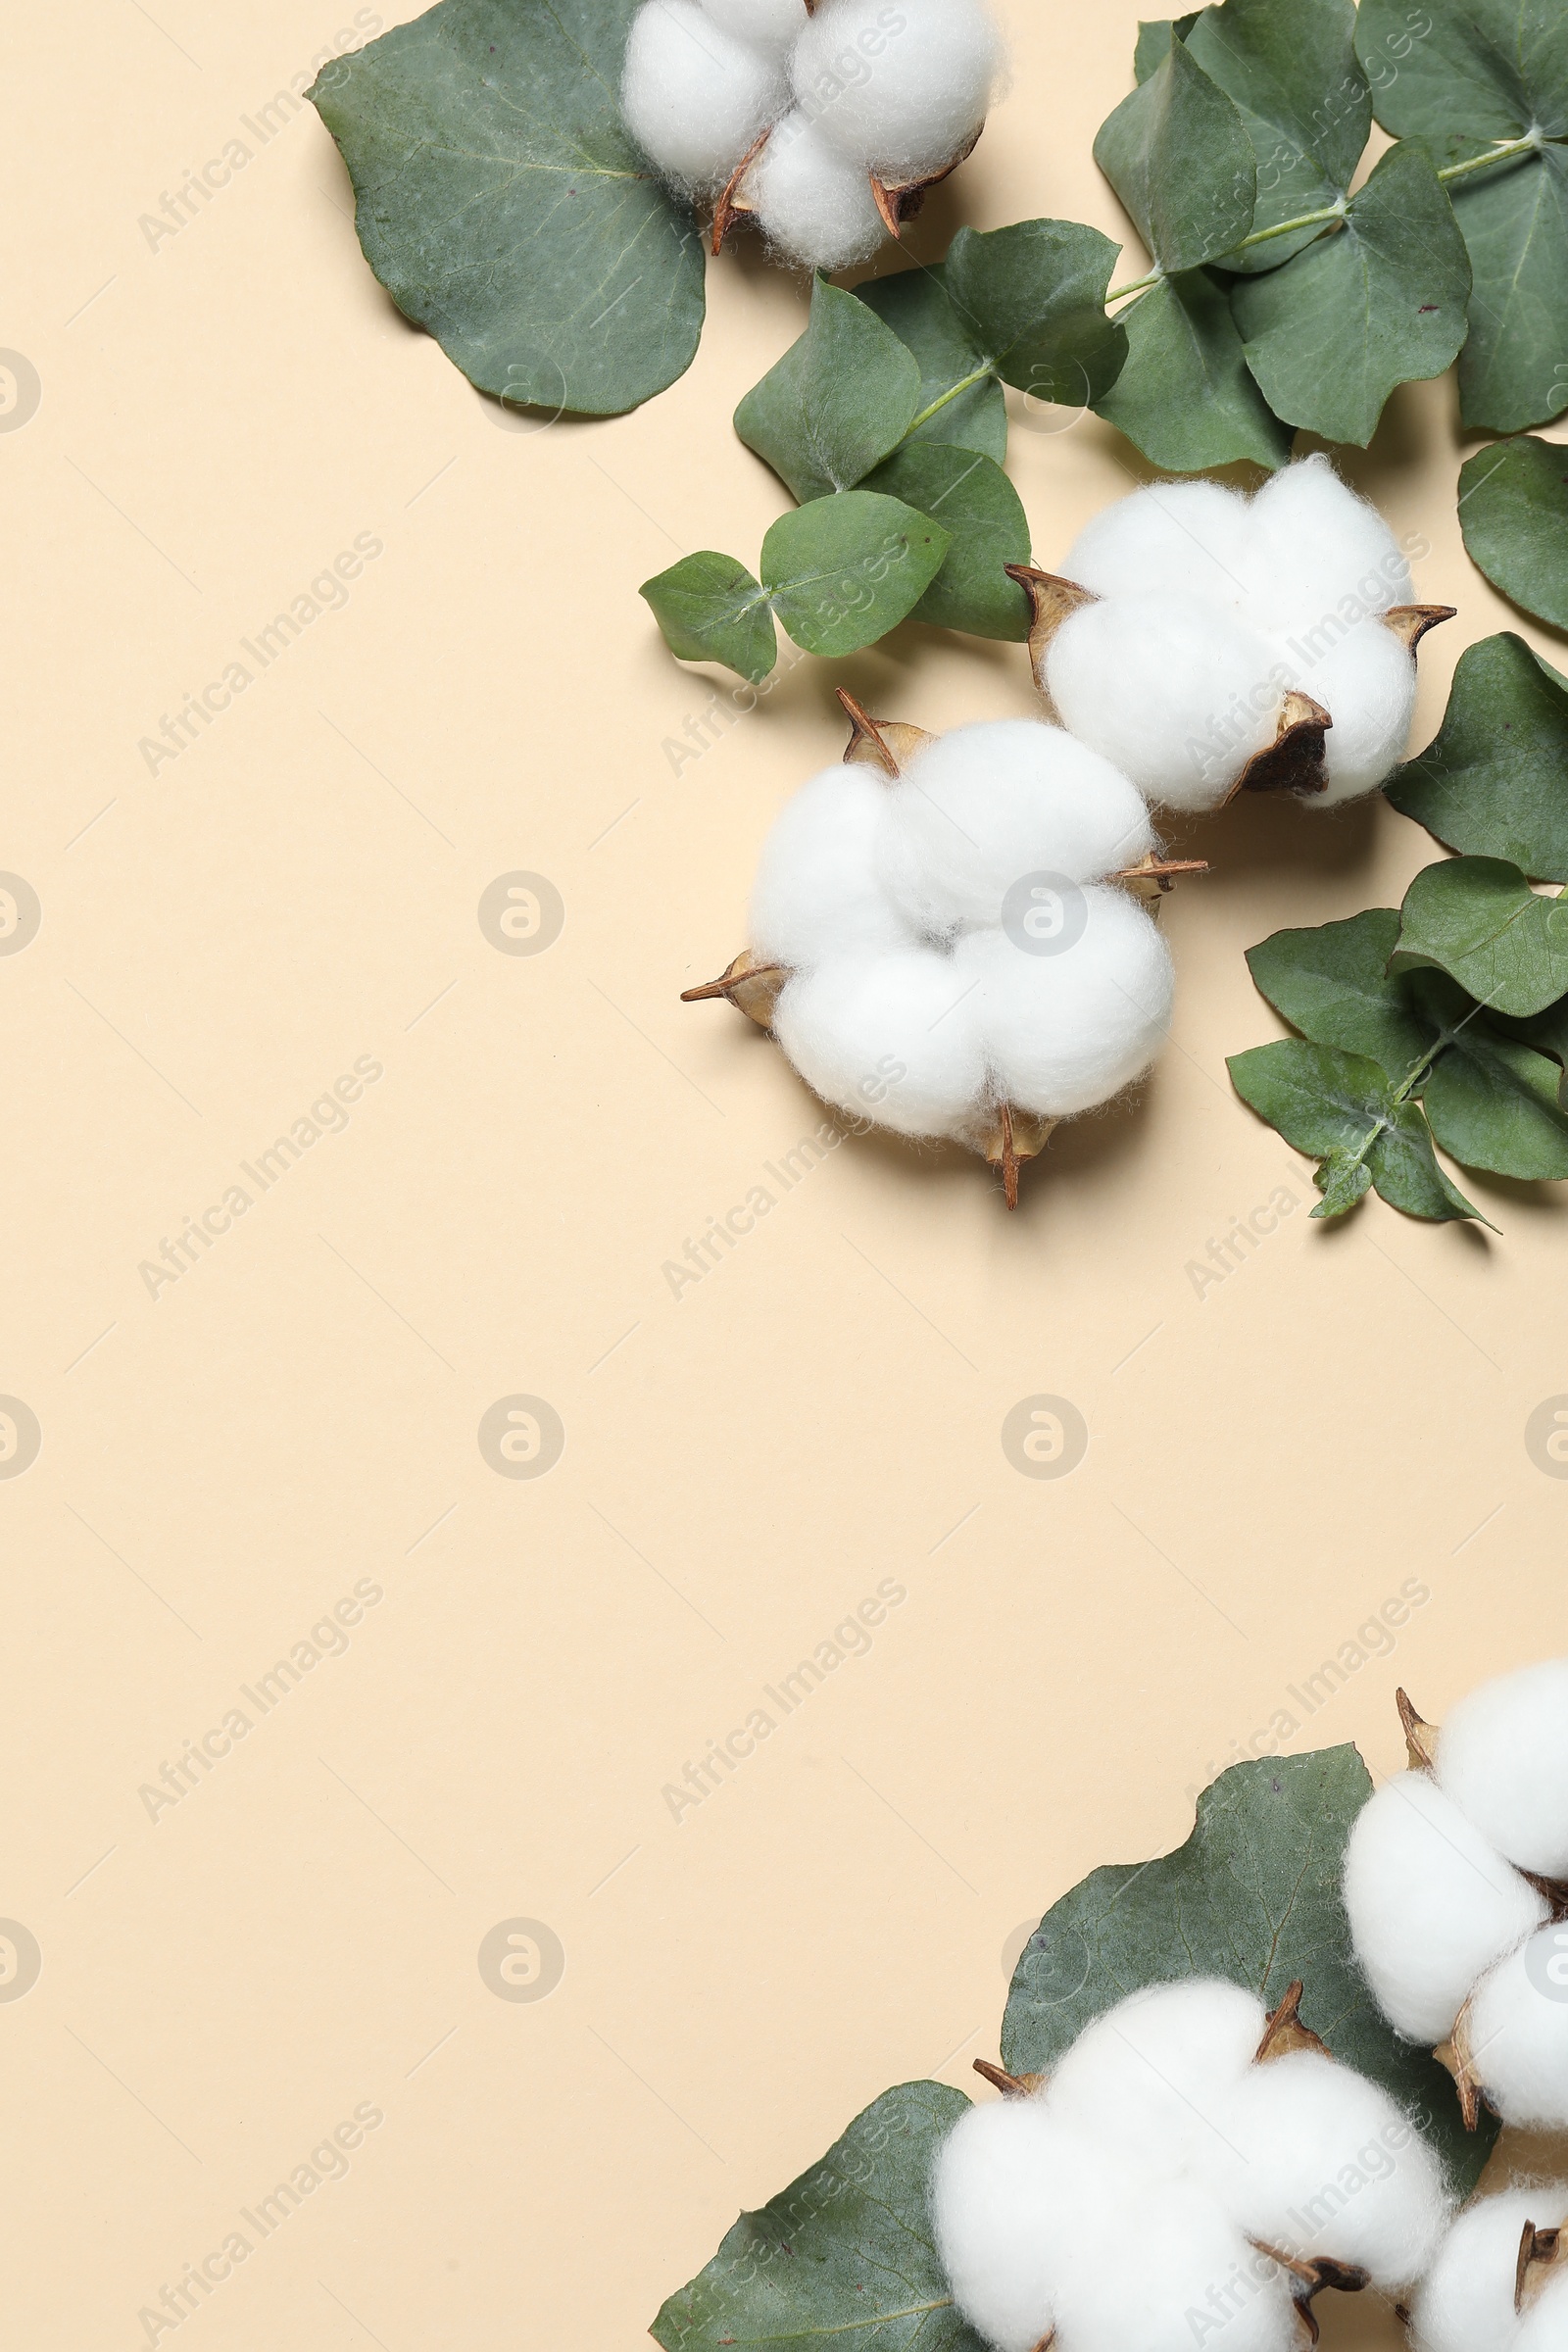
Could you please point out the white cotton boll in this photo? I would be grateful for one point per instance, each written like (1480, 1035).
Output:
(1543, 2326)
(1312, 2158)
(999, 2175)
(811, 201)
(1155, 2072)
(1431, 1905)
(983, 808)
(775, 22)
(892, 1040)
(816, 891)
(1187, 538)
(695, 98)
(1517, 2030)
(1367, 682)
(1176, 2272)
(902, 90)
(1502, 1756)
(1066, 1030)
(1465, 2302)
(1316, 544)
(1176, 694)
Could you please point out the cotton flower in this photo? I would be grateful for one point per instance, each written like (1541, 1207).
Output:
(826, 127)
(945, 936)
(1204, 641)
(1194, 2170)
(1454, 1894)
(1493, 2288)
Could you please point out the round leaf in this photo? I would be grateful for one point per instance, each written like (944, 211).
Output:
(1187, 397)
(1495, 780)
(1513, 507)
(973, 500)
(844, 571)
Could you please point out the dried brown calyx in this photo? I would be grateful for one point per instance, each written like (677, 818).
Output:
(1540, 2251)
(1011, 2087)
(1459, 2056)
(897, 200)
(1284, 2031)
(1308, 2279)
(1006, 1137)
(1295, 762)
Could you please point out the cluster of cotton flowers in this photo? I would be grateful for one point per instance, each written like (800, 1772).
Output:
(1193, 2171)
(939, 941)
(1500, 2282)
(823, 125)
(1206, 642)
(1454, 1887)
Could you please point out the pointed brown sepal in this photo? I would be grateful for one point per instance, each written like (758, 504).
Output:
(883, 198)
(1410, 622)
(1152, 877)
(732, 201)
(1457, 2056)
(1051, 598)
(1011, 2087)
(753, 988)
(1294, 761)
(889, 744)
(1284, 2031)
(1016, 1137)
(1539, 2251)
(1420, 1737)
(899, 200)
(1309, 2277)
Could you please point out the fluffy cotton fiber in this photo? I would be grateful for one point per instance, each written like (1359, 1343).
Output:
(1121, 2205)
(1212, 607)
(1466, 2301)
(894, 88)
(1455, 1940)
(951, 937)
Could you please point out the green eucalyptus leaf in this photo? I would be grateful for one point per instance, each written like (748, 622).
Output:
(914, 303)
(1154, 39)
(711, 610)
(1478, 919)
(842, 571)
(1177, 154)
(1379, 302)
(1340, 1107)
(1548, 1033)
(1253, 1897)
(1494, 781)
(1515, 220)
(835, 402)
(844, 2254)
(1464, 74)
(974, 501)
(1032, 298)
(502, 205)
(1289, 67)
(1492, 1102)
(1513, 507)
(1187, 397)
(1334, 985)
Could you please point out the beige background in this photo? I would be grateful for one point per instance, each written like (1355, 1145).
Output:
(222, 1987)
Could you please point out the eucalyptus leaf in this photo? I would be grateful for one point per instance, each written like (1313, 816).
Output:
(1548, 1033)
(974, 501)
(1254, 1898)
(1492, 1102)
(914, 303)
(1494, 781)
(1289, 67)
(1187, 397)
(1478, 919)
(501, 202)
(1032, 298)
(842, 571)
(1515, 220)
(1513, 507)
(841, 397)
(845, 2253)
(1340, 1107)
(1334, 985)
(711, 610)
(1177, 154)
(1154, 39)
(1464, 74)
(1379, 302)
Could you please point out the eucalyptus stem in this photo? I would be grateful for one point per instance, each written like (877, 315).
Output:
(1331, 214)
(981, 375)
